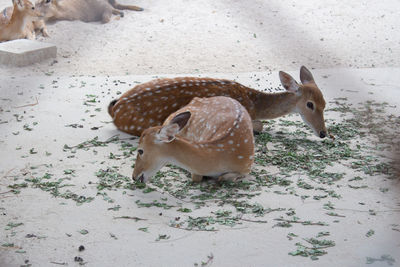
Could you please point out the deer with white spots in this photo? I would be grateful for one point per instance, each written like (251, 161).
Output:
(14, 21)
(208, 137)
(148, 104)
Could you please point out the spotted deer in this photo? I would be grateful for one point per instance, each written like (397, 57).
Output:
(84, 10)
(14, 20)
(150, 103)
(208, 137)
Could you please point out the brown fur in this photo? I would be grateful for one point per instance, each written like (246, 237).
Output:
(32, 28)
(149, 104)
(15, 19)
(84, 10)
(217, 140)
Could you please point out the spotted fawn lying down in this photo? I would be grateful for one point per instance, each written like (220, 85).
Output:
(149, 104)
(208, 137)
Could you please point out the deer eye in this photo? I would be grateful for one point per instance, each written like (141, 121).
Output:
(48, 1)
(33, 8)
(140, 151)
(310, 105)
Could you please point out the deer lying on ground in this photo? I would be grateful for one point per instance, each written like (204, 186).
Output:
(208, 137)
(36, 26)
(14, 21)
(84, 10)
(148, 104)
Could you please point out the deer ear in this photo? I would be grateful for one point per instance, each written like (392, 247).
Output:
(288, 82)
(306, 76)
(19, 4)
(168, 132)
(181, 119)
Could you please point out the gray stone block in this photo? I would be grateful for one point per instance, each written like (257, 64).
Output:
(24, 52)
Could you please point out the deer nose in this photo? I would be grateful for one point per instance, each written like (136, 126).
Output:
(140, 178)
(322, 134)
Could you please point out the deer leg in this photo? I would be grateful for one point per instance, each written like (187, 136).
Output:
(40, 26)
(106, 17)
(44, 32)
(30, 35)
(118, 13)
(121, 7)
(197, 178)
(257, 126)
(230, 176)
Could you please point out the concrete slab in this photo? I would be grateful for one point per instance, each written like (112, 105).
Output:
(25, 52)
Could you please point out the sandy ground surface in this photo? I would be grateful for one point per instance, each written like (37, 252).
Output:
(65, 170)
(181, 36)
(354, 203)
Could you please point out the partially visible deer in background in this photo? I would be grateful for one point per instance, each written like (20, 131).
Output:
(84, 10)
(208, 137)
(15, 20)
(36, 26)
(150, 103)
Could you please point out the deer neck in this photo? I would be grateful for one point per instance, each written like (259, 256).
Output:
(18, 20)
(273, 105)
(61, 12)
(182, 148)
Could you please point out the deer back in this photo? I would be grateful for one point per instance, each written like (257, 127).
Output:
(5, 15)
(220, 129)
(212, 119)
(84, 10)
(149, 104)
(217, 138)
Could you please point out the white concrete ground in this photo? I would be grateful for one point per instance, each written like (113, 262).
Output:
(56, 195)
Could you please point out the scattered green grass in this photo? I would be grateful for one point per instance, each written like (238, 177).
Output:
(207, 262)
(370, 233)
(384, 258)
(12, 225)
(83, 232)
(162, 237)
(155, 203)
(303, 168)
(316, 249)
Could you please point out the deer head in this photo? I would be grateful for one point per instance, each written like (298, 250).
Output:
(310, 102)
(48, 7)
(152, 152)
(26, 7)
